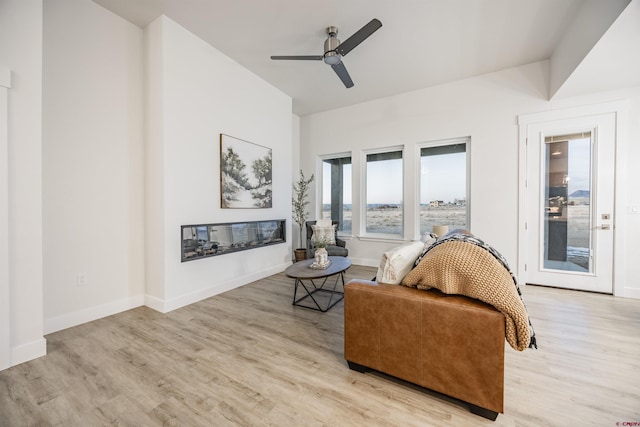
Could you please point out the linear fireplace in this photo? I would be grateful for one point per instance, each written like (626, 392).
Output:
(206, 240)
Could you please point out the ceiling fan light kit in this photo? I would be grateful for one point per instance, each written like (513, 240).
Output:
(334, 50)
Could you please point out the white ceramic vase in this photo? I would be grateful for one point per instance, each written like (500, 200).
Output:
(321, 257)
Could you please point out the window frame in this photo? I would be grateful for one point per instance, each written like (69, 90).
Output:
(320, 183)
(364, 234)
(440, 143)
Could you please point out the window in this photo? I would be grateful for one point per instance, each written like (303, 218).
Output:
(567, 202)
(443, 185)
(384, 208)
(336, 191)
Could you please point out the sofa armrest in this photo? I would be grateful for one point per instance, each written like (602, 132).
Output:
(448, 343)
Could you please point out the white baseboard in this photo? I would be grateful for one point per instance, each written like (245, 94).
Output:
(632, 293)
(167, 305)
(29, 351)
(85, 315)
(366, 262)
(155, 303)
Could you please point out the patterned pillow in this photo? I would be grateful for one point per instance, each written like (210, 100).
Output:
(327, 234)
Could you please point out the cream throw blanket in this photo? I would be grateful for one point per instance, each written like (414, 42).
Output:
(459, 267)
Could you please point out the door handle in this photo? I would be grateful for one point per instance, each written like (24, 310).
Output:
(604, 227)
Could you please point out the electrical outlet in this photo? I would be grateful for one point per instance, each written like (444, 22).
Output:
(82, 279)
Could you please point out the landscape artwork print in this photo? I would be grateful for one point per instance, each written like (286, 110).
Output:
(245, 174)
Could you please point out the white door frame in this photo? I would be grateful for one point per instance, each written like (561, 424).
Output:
(619, 108)
(5, 306)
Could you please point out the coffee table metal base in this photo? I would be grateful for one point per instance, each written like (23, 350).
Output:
(314, 283)
(312, 289)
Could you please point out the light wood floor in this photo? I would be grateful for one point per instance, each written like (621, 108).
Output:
(249, 358)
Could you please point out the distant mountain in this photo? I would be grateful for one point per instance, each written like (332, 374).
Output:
(327, 206)
(580, 193)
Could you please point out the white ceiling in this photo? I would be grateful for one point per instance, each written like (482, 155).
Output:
(421, 43)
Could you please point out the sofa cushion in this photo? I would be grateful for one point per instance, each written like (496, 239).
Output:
(397, 262)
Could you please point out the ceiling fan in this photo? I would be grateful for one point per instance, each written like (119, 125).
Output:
(334, 50)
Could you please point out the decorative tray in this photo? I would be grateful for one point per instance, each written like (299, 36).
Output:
(317, 266)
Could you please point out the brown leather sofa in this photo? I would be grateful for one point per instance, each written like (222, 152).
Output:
(447, 343)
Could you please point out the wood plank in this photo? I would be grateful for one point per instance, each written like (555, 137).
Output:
(248, 357)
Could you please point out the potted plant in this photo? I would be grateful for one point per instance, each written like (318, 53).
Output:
(299, 209)
(320, 242)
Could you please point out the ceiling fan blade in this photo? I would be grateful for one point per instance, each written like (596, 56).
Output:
(300, 57)
(359, 36)
(342, 72)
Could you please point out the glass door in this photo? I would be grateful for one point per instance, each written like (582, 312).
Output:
(567, 203)
(570, 169)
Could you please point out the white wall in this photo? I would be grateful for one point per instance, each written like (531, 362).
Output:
(631, 200)
(92, 149)
(198, 93)
(588, 26)
(5, 294)
(21, 52)
(610, 64)
(154, 163)
(486, 109)
(294, 237)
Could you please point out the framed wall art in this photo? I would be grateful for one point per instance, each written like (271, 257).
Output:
(245, 174)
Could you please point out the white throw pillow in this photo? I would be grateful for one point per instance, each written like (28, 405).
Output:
(324, 223)
(397, 262)
(328, 234)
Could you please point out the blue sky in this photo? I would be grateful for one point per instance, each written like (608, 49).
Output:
(579, 165)
(443, 178)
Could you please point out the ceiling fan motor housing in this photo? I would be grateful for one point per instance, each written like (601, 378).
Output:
(330, 45)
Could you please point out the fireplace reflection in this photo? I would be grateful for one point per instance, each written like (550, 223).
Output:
(206, 240)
